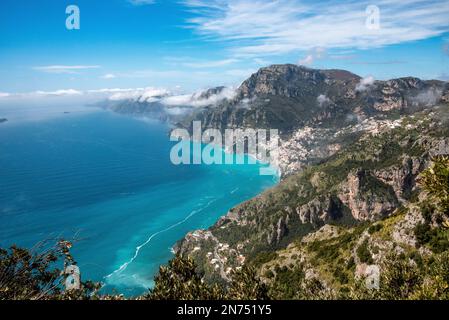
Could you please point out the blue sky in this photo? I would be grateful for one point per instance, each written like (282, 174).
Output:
(184, 45)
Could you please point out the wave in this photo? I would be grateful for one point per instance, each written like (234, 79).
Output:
(138, 248)
(235, 190)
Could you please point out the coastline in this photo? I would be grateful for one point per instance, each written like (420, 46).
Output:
(276, 177)
(274, 167)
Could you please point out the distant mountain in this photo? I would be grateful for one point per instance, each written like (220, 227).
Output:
(169, 107)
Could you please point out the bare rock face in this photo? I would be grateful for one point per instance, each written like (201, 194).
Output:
(326, 232)
(436, 146)
(278, 231)
(392, 93)
(403, 231)
(367, 197)
(402, 178)
(407, 93)
(445, 95)
(321, 209)
(282, 80)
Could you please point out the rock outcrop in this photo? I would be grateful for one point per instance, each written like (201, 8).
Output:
(320, 210)
(366, 197)
(402, 178)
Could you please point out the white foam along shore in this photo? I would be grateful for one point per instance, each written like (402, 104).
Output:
(151, 237)
(276, 173)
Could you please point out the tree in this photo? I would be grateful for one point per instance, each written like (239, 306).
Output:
(32, 274)
(180, 281)
(435, 181)
(28, 276)
(246, 285)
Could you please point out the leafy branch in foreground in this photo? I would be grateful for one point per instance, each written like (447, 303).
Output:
(26, 275)
(179, 280)
(435, 181)
(32, 275)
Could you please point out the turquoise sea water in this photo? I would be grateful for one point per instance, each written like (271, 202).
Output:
(109, 179)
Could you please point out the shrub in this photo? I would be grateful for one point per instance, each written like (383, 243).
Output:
(435, 180)
(364, 254)
(263, 257)
(180, 281)
(375, 228)
(32, 274)
(246, 285)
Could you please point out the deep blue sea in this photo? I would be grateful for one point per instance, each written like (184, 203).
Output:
(108, 179)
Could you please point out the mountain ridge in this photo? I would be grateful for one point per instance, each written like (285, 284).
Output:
(354, 175)
(289, 96)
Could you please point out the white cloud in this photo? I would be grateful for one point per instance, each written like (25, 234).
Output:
(322, 99)
(164, 96)
(64, 69)
(428, 97)
(108, 76)
(197, 100)
(307, 61)
(150, 93)
(365, 83)
(113, 90)
(59, 93)
(314, 54)
(140, 94)
(179, 100)
(260, 27)
(174, 102)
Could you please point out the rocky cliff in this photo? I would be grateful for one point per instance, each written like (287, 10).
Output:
(350, 175)
(290, 97)
(317, 112)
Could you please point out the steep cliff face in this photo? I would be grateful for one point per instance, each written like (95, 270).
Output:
(402, 178)
(293, 81)
(366, 197)
(365, 181)
(321, 209)
(290, 97)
